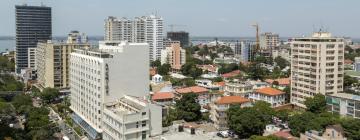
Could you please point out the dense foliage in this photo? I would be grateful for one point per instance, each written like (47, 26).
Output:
(9, 83)
(316, 104)
(187, 108)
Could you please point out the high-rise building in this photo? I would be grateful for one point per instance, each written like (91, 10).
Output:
(174, 55)
(33, 24)
(246, 50)
(104, 75)
(317, 66)
(269, 40)
(181, 36)
(52, 62)
(145, 29)
(31, 58)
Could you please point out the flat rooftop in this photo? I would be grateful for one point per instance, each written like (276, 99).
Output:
(346, 96)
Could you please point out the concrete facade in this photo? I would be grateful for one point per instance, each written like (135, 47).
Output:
(173, 55)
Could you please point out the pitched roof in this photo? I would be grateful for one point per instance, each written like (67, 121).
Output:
(194, 89)
(282, 81)
(269, 91)
(211, 68)
(220, 83)
(348, 61)
(231, 74)
(284, 134)
(232, 100)
(162, 96)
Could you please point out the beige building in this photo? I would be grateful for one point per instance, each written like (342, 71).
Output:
(333, 132)
(221, 105)
(238, 87)
(317, 66)
(52, 63)
(174, 55)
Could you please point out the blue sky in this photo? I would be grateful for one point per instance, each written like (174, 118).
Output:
(201, 17)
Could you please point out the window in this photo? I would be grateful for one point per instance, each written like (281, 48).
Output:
(143, 135)
(143, 113)
(143, 123)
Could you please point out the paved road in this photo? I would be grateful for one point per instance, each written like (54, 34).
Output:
(65, 129)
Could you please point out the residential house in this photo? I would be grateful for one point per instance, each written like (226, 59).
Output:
(282, 83)
(271, 95)
(163, 98)
(238, 87)
(219, 108)
(203, 94)
(332, 132)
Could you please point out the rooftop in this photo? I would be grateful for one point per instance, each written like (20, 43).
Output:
(162, 96)
(232, 100)
(269, 91)
(282, 81)
(193, 89)
(346, 96)
(231, 74)
(126, 105)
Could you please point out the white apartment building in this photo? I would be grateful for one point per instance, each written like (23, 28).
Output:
(131, 118)
(238, 87)
(31, 58)
(105, 75)
(173, 55)
(269, 40)
(270, 95)
(147, 29)
(317, 66)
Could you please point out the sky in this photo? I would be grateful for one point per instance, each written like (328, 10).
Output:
(219, 18)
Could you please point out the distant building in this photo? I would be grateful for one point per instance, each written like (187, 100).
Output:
(131, 118)
(317, 66)
(173, 55)
(181, 36)
(344, 104)
(163, 98)
(280, 83)
(273, 96)
(281, 52)
(168, 42)
(269, 40)
(357, 64)
(53, 62)
(33, 24)
(145, 29)
(100, 76)
(219, 108)
(238, 87)
(333, 132)
(246, 51)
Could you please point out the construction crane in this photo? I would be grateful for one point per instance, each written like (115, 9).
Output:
(175, 25)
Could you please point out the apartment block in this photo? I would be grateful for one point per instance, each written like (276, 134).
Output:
(269, 40)
(145, 29)
(238, 87)
(33, 24)
(99, 76)
(173, 55)
(31, 58)
(131, 118)
(221, 105)
(344, 104)
(270, 95)
(53, 61)
(317, 66)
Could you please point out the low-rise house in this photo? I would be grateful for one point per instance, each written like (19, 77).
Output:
(271, 95)
(219, 108)
(281, 82)
(156, 79)
(206, 84)
(332, 132)
(209, 68)
(203, 94)
(221, 85)
(344, 104)
(258, 84)
(163, 98)
(238, 87)
(285, 135)
(131, 118)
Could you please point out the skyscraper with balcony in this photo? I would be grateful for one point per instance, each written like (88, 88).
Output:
(317, 66)
(33, 24)
(145, 29)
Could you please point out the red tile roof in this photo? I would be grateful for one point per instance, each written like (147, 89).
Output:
(231, 74)
(282, 81)
(232, 100)
(348, 61)
(162, 96)
(220, 83)
(194, 89)
(269, 91)
(284, 134)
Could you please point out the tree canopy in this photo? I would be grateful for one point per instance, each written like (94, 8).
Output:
(49, 94)
(187, 107)
(316, 104)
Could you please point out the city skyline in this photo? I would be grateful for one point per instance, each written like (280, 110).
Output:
(233, 18)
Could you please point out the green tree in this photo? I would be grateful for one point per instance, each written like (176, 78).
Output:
(256, 72)
(281, 62)
(348, 80)
(189, 82)
(49, 94)
(187, 107)
(300, 123)
(190, 69)
(255, 137)
(22, 102)
(156, 63)
(164, 69)
(316, 104)
(249, 121)
(352, 128)
(171, 116)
